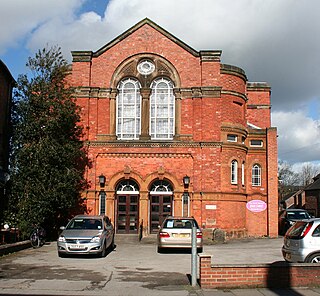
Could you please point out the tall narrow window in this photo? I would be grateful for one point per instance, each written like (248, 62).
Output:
(162, 109)
(234, 172)
(128, 110)
(256, 175)
(102, 204)
(242, 175)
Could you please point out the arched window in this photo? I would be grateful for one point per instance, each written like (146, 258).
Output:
(256, 175)
(162, 109)
(242, 174)
(128, 126)
(234, 172)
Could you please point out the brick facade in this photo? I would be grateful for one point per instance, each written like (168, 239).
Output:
(212, 101)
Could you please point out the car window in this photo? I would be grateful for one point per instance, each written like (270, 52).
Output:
(298, 215)
(316, 232)
(179, 223)
(297, 229)
(85, 223)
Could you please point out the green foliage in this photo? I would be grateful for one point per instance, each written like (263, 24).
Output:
(48, 158)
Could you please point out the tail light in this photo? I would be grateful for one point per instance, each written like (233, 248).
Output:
(199, 234)
(306, 230)
(164, 234)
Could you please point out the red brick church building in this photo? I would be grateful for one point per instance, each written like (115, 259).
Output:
(174, 131)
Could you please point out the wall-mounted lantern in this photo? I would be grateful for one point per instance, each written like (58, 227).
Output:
(186, 181)
(102, 180)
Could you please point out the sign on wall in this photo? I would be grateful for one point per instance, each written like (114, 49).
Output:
(256, 206)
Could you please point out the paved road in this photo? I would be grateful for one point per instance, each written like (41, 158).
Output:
(133, 268)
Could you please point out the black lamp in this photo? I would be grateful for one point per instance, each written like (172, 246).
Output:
(102, 180)
(186, 181)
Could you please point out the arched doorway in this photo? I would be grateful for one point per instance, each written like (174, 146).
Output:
(161, 196)
(127, 207)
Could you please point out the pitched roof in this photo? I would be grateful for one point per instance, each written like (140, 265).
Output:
(87, 55)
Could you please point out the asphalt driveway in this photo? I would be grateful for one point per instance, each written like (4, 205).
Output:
(133, 268)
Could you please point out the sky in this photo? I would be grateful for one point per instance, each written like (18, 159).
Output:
(274, 41)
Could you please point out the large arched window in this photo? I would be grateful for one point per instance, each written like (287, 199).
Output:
(128, 110)
(256, 175)
(162, 109)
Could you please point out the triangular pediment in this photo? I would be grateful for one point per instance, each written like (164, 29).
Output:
(145, 22)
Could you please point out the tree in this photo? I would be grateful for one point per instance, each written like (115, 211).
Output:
(288, 179)
(308, 172)
(48, 158)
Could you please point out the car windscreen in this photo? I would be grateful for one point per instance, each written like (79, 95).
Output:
(298, 215)
(180, 223)
(85, 223)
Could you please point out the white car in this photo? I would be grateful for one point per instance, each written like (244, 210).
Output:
(302, 242)
(175, 232)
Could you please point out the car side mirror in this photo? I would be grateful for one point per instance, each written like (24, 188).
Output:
(62, 227)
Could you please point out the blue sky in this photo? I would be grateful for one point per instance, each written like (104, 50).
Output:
(273, 41)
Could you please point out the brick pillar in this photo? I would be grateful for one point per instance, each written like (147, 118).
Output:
(272, 177)
(204, 270)
(145, 107)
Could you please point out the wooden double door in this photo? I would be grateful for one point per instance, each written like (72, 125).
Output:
(128, 212)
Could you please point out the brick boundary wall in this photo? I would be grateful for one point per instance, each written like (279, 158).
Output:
(274, 275)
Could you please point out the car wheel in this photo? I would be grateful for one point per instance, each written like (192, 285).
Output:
(61, 255)
(103, 253)
(200, 250)
(112, 246)
(315, 258)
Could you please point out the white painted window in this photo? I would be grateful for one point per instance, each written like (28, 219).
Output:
(234, 172)
(256, 143)
(256, 175)
(242, 175)
(128, 124)
(162, 109)
(232, 138)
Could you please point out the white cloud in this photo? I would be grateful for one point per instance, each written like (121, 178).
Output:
(299, 136)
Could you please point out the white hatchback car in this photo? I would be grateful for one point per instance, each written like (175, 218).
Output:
(302, 242)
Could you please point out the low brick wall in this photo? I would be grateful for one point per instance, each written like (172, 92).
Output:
(274, 275)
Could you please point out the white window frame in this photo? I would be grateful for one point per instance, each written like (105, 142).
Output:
(234, 172)
(256, 145)
(128, 106)
(232, 138)
(256, 175)
(242, 175)
(185, 197)
(162, 110)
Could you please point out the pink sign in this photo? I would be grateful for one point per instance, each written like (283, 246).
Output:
(256, 206)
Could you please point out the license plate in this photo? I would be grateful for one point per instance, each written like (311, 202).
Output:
(181, 235)
(77, 247)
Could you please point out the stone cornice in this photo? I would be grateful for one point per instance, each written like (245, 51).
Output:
(193, 92)
(150, 144)
(233, 70)
(234, 93)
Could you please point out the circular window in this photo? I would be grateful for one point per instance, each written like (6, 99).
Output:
(145, 67)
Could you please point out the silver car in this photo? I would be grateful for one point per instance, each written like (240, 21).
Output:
(86, 234)
(175, 232)
(302, 242)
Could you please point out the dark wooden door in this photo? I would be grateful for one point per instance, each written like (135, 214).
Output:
(127, 213)
(160, 208)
